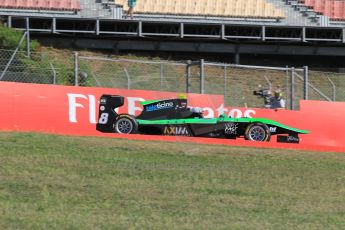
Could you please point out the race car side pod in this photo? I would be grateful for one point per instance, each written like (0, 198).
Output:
(107, 113)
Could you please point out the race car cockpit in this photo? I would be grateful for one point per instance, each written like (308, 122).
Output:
(169, 109)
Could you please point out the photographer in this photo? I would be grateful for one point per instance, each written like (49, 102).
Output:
(271, 101)
(277, 101)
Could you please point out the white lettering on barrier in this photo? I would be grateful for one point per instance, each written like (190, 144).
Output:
(249, 112)
(73, 105)
(92, 108)
(236, 113)
(133, 108)
(210, 112)
(131, 104)
(221, 109)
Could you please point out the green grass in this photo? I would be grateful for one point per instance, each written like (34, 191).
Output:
(57, 182)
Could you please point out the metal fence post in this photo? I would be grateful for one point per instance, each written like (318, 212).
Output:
(306, 82)
(334, 89)
(54, 72)
(287, 90)
(128, 78)
(12, 57)
(76, 68)
(161, 75)
(202, 76)
(28, 38)
(225, 84)
(9, 21)
(188, 73)
(292, 96)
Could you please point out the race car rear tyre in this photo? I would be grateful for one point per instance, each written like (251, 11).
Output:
(125, 124)
(257, 132)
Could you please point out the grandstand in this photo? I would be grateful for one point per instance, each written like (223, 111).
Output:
(40, 7)
(281, 12)
(322, 11)
(286, 12)
(289, 30)
(215, 8)
(334, 9)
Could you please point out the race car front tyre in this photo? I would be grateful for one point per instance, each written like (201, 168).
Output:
(125, 124)
(257, 132)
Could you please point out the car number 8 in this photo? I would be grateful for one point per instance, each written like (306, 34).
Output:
(103, 119)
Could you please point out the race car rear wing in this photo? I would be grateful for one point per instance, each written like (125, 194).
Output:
(107, 113)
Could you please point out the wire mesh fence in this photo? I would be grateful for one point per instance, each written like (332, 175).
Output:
(17, 67)
(236, 82)
(241, 85)
(134, 74)
(332, 86)
(41, 68)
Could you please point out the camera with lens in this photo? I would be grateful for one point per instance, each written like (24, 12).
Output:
(262, 93)
(266, 95)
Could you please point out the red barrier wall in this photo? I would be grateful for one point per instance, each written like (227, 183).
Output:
(73, 111)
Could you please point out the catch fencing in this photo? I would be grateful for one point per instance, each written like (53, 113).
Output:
(17, 67)
(132, 74)
(236, 82)
(39, 67)
(331, 85)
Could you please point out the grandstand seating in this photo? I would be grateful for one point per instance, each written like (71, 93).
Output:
(54, 5)
(215, 8)
(334, 9)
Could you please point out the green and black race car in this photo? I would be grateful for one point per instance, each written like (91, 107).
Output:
(174, 117)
